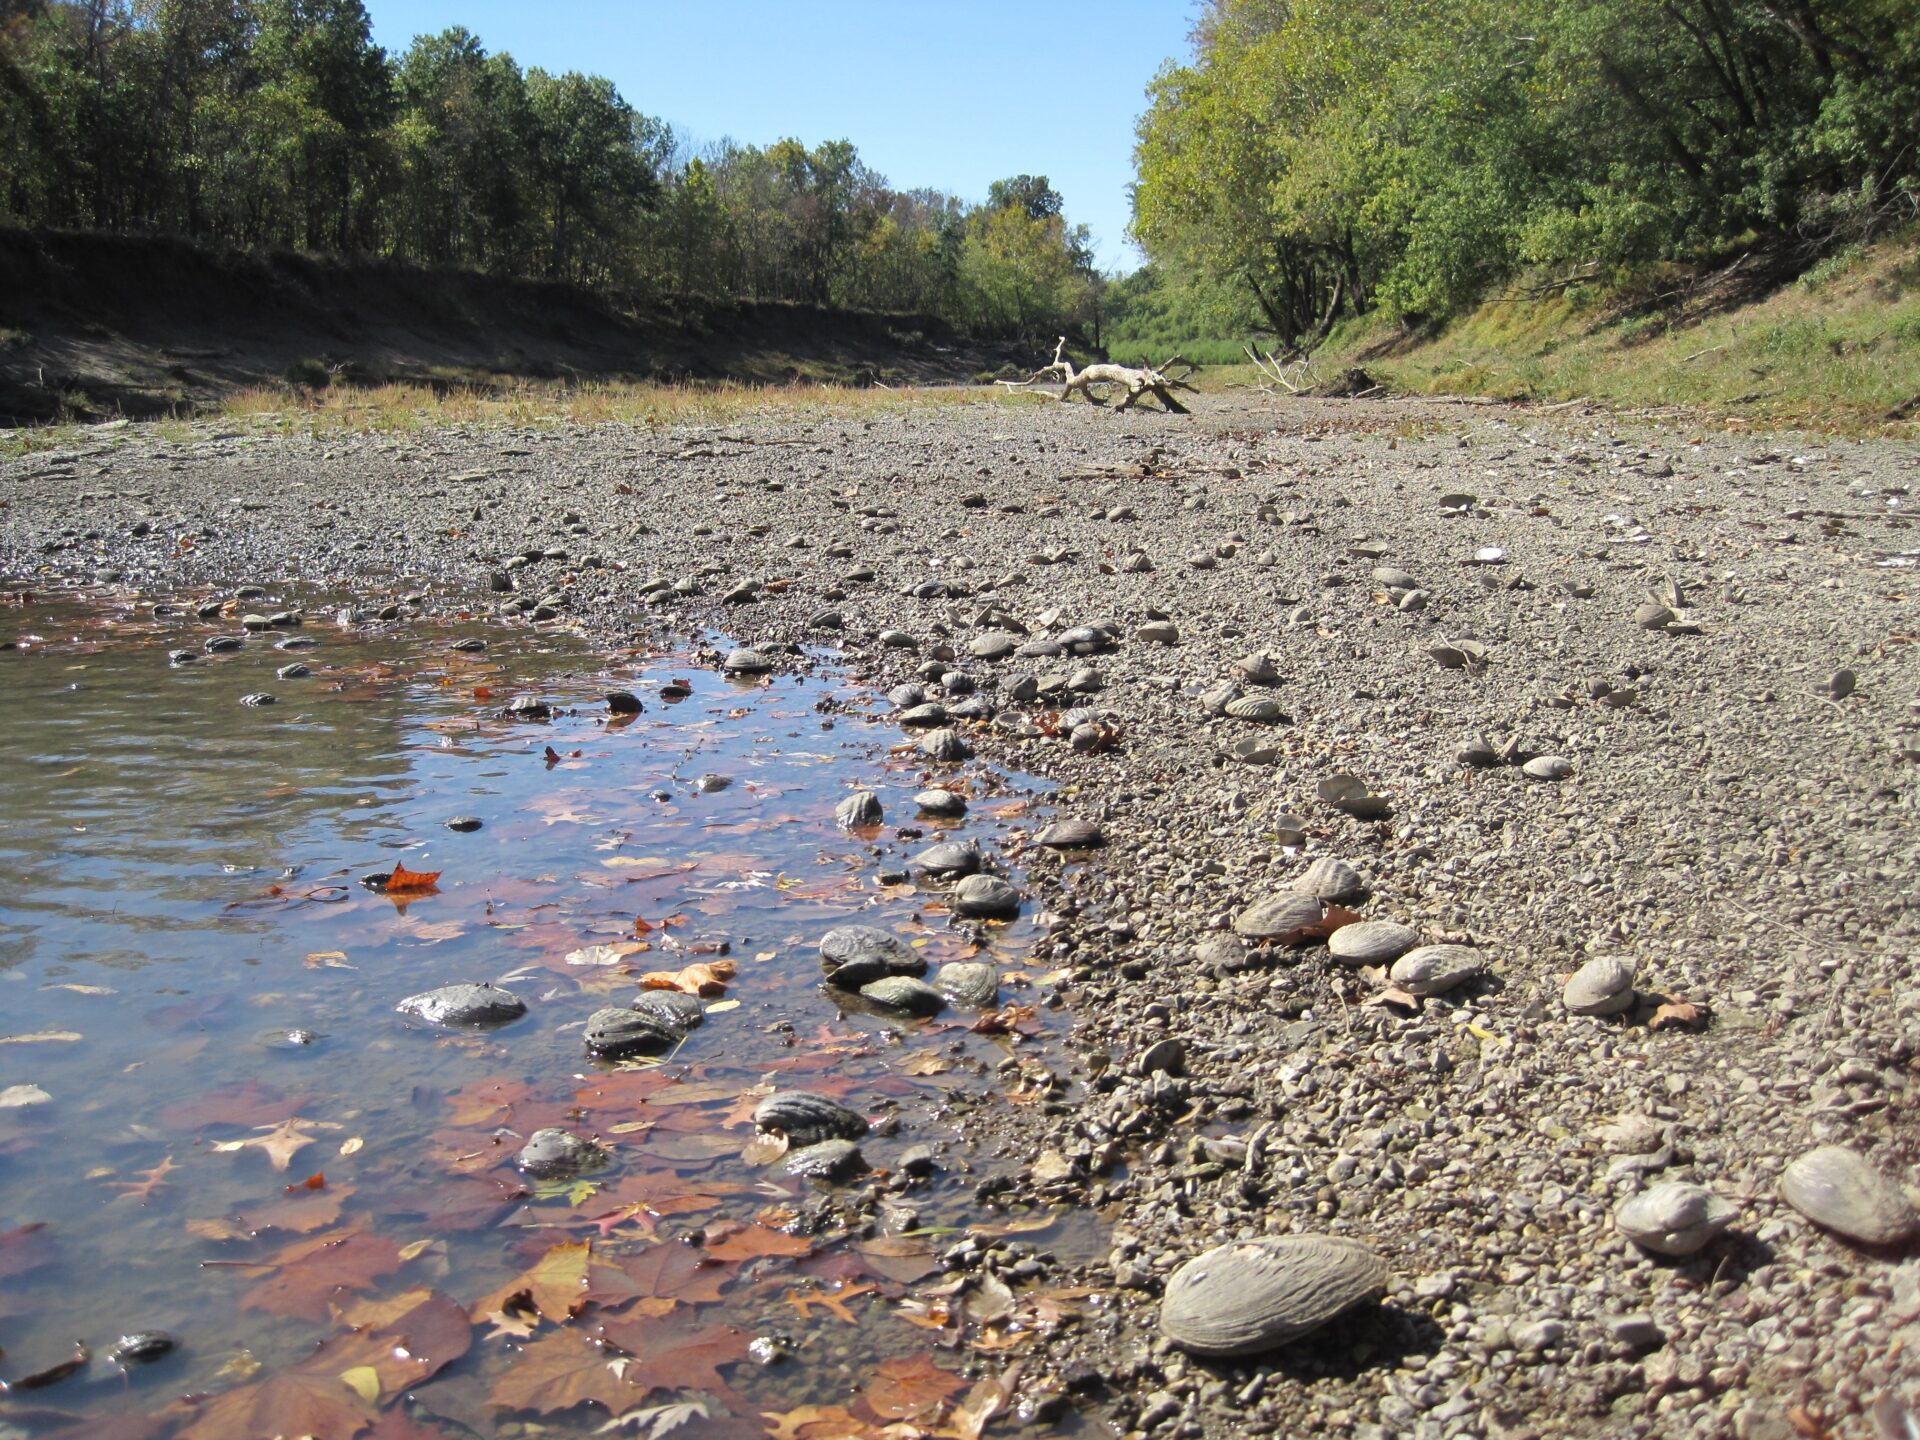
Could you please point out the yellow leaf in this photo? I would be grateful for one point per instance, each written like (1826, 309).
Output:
(415, 1250)
(364, 1381)
(353, 1146)
(720, 1005)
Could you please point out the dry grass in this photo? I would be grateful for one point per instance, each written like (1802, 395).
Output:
(398, 408)
(1838, 350)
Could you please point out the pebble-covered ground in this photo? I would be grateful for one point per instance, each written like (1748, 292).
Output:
(1709, 640)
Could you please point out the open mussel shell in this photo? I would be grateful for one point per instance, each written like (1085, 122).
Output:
(1253, 1295)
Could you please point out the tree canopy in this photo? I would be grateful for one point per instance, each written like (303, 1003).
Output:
(279, 123)
(1326, 157)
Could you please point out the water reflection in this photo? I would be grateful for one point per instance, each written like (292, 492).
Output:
(212, 1123)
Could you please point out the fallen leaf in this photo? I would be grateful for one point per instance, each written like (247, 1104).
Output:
(764, 1148)
(667, 1357)
(814, 1422)
(1677, 1015)
(655, 1421)
(707, 979)
(987, 1399)
(328, 960)
(411, 882)
(911, 1386)
(311, 1274)
(563, 1370)
(733, 1240)
(1393, 995)
(282, 1142)
(553, 1288)
(143, 1189)
(805, 1302)
(604, 954)
(43, 1037)
(17, 1097)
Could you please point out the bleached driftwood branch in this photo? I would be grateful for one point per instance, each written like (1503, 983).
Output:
(1135, 382)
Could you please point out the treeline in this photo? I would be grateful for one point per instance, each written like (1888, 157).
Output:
(278, 123)
(1320, 158)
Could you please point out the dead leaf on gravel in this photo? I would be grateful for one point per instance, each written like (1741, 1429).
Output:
(1396, 997)
(1678, 1015)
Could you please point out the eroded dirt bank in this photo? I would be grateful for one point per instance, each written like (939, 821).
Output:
(1735, 824)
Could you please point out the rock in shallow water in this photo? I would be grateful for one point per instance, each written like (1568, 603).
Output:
(985, 896)
(856, 955)
(829, 1160)
(614, 1032)
(1254, 1295)
(1070, 834)
(941, 804)
(674, 1009)
(748, 661)
(948, 860)
(1674, 1218)
(858, 809)
(971, 983)
(559, 1155)
(945, 745)
(905, 994)
(1840, 1189)
(463, 1005)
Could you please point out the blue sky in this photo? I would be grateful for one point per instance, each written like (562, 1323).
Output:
(951, 96)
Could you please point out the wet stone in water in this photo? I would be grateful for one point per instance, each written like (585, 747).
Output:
(941, 804)
(141, 1347)
(905, 994)
(859, 809)
(950, 859)
(829, 1160)
(968, 983)
(985, 896)
(674, 1009)
(560, 1155)
(806, 1118)
(614, 1033)
(463, 1005)
(1254, 1295)
(748, 661)
(856, 955)
(945, 745)
(465, 824)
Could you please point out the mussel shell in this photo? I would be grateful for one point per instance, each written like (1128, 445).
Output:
(1841, 1189)
(1253, 1295)
(1436, 969)
(807, 1118)
(615, 1032)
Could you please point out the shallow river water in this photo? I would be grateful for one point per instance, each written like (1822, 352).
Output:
(213, 1123)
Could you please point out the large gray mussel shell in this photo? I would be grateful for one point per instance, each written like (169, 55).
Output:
(1602, 986)
(1674, 1217)
(1436, 969)
(1253, 1295)
(1840, 1189)
(856, 955)
(1372, 942)
(806, 1118)
(1332, 880)
(614, 1032)
(1278, 917)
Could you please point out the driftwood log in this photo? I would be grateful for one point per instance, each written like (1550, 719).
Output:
(1134, 383)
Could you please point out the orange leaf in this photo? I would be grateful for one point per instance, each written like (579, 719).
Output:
(667, 1357)
(1678, 1015)
(411, 882)
(706, 978)
(564, 1370)
(555, 1287)
(813, 1422)
(315, 1181)
(732, 1240)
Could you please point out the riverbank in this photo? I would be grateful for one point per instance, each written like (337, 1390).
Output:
(1737, 824)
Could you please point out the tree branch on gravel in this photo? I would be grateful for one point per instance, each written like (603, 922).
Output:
(1135, 383)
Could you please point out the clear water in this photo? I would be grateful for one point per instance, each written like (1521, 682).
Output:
(180, 893)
